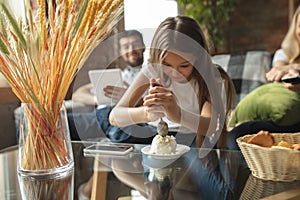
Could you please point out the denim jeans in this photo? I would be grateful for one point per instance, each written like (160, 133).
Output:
(217, 176)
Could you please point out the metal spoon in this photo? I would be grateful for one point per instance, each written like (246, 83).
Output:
(162, 128)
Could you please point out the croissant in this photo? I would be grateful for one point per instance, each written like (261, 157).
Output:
(262, 138)
(265, 139)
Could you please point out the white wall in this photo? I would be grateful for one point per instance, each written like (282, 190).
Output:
(139, 14)
(146, 15)
(17, 6)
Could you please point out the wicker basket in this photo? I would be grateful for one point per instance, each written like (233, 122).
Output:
(277, 164)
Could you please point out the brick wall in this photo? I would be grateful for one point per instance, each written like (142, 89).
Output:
(257, 25)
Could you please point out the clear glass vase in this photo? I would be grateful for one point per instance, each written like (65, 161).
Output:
(60, 188)
(45, 147)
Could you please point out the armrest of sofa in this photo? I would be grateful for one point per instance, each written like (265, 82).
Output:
(77, 107)
(71, 107)
(8, 102)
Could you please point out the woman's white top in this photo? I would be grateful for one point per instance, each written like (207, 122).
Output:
(280, 56)
(187, 98)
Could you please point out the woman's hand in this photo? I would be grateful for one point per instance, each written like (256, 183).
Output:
(162, 102)
(275, 74)
(294, 87)
(282, 70)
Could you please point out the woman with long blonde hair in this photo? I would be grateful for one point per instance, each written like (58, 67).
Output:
(286, 61)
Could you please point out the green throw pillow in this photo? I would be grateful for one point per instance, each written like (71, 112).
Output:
(272, 102)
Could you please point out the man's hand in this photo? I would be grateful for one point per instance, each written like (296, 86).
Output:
(84, 95)
(114, 92)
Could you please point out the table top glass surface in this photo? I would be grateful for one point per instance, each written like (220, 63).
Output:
(198, 174)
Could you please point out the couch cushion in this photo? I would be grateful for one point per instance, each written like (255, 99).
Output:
(246, 70)
(271, 102)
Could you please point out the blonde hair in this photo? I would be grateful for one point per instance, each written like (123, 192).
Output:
(184, 34)
(290, 43)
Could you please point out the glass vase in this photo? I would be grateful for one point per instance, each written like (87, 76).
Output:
(45, 147)
(59, 188)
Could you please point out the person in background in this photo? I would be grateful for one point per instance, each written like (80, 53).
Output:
(188, 94)
(131, 47)
(286, 60)
(85, 124)
(285, 63)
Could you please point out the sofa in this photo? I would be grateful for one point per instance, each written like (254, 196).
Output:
(247, 70)
(8, 103)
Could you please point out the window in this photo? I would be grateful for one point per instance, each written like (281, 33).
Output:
(146, 15)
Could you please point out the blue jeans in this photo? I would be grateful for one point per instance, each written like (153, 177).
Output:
(253, 127)
(217, 177)
(89, 125)
(97, 123)
(84, 126)
(139, 133)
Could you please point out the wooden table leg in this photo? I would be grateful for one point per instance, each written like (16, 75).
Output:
(99, 181)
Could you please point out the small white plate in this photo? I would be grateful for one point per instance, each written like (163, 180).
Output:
(180, 150)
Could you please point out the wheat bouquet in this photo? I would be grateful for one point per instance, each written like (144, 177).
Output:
(40, 56)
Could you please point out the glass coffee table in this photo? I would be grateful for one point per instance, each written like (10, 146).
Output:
(197, 174)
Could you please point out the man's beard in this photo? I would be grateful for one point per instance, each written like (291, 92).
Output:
(136, 63)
